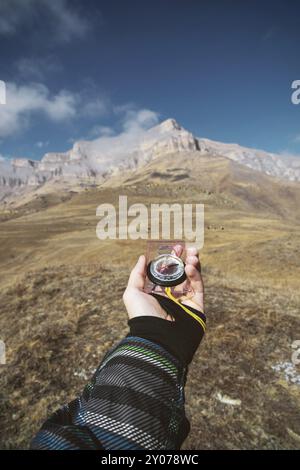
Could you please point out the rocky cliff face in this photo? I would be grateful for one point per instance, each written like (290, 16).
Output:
(269, 163)
(90, 161)
(97, 159)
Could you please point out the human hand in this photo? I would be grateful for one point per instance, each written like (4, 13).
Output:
(139, 303)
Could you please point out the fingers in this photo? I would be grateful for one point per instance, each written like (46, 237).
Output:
(138, 274)
(195, 278)
(192, 250)
(177, 250)
(191, 255)
(196, 297)
(193, 270)
(193, 258)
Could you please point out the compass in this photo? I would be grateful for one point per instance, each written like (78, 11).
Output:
(166, 270)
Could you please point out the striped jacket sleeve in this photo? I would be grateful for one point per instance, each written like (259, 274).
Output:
(135, 401)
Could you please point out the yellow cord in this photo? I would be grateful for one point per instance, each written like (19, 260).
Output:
(199, 320)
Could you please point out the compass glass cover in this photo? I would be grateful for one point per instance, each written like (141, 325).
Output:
(167, 268)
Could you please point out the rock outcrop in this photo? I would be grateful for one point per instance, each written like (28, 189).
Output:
(92, 161)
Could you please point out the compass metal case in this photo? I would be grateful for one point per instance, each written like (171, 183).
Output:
(166, 270)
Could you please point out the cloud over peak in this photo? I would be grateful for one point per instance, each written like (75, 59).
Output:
(59, 18)
(25, 101)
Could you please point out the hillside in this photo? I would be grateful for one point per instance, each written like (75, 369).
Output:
(235, 185)
(61, 289)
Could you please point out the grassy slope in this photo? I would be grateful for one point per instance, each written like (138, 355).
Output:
(60, 304)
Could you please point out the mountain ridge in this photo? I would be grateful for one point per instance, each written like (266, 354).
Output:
(95, 161)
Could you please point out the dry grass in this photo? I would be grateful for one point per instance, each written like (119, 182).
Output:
(58, 323)
(61, 309)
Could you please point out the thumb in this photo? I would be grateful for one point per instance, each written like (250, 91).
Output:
(138, 274)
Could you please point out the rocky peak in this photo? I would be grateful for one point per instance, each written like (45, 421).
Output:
(54, 157)
(169, 125)
(23, 163)
(96, 159)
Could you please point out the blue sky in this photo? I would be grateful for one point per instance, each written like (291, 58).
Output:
(79, 69)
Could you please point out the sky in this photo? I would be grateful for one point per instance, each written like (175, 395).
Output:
(83, 69)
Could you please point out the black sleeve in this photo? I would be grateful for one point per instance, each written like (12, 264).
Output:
(180, 337)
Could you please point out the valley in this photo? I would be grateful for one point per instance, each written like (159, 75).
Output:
(61, 297)
(61, 303)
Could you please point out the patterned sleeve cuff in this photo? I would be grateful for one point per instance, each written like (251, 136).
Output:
(137, 398)
(135, 401)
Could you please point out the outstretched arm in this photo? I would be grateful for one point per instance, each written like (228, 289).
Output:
(135, 399)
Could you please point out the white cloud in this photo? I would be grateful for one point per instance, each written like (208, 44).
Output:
(101, 131)
(13, 13)
(25, 101)
(68, 22)
(62, 106)
(297, 138)
(40, 144)
(96, 107)
(37, 68)
(135, 123)
(56, 16)
(142, 118)
(29, 102)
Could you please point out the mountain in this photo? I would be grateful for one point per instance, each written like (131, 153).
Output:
(61, 299)
(265, 162)
(90, 162)
(61, 287)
